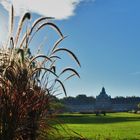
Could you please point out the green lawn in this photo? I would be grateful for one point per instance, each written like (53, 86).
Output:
(113, 126)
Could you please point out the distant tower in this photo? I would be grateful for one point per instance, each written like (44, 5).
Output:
(103, 91)
(103, 101)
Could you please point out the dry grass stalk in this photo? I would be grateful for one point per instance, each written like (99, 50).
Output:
(25, 87)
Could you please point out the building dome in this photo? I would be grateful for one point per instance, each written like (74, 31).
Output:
(103, 101)
(103, 95)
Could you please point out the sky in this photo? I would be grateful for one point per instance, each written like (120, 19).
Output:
(105, 36)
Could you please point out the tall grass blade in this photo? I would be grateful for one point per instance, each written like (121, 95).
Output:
(51, 25)
(26, 16)
(11, 20)
(47, 70)
(57, 80)
(69, 52)
(70, 69)
(57, 43)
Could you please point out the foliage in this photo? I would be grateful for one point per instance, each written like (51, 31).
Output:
(83, 99)
(139, 106)
(28, 80)
(79, 99)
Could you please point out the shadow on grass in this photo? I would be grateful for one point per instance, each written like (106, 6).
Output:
(92, 119)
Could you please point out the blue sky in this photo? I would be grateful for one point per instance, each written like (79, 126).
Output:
(105, 35)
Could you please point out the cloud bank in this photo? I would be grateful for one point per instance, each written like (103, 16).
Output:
(60, 9)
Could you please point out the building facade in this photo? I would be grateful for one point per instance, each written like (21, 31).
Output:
(102, 102)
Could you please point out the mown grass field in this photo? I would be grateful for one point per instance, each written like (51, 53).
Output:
(113, 126)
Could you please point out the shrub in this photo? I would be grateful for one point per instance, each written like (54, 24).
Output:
(25, 87)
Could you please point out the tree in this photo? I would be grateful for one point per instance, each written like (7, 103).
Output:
(139, 106)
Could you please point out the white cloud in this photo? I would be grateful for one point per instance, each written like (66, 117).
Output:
(60, 9)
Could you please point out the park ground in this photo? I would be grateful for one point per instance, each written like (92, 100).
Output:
(113, 126)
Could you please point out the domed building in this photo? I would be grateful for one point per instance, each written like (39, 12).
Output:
(103, 101)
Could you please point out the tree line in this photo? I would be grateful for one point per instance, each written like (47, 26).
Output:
(84, 99)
